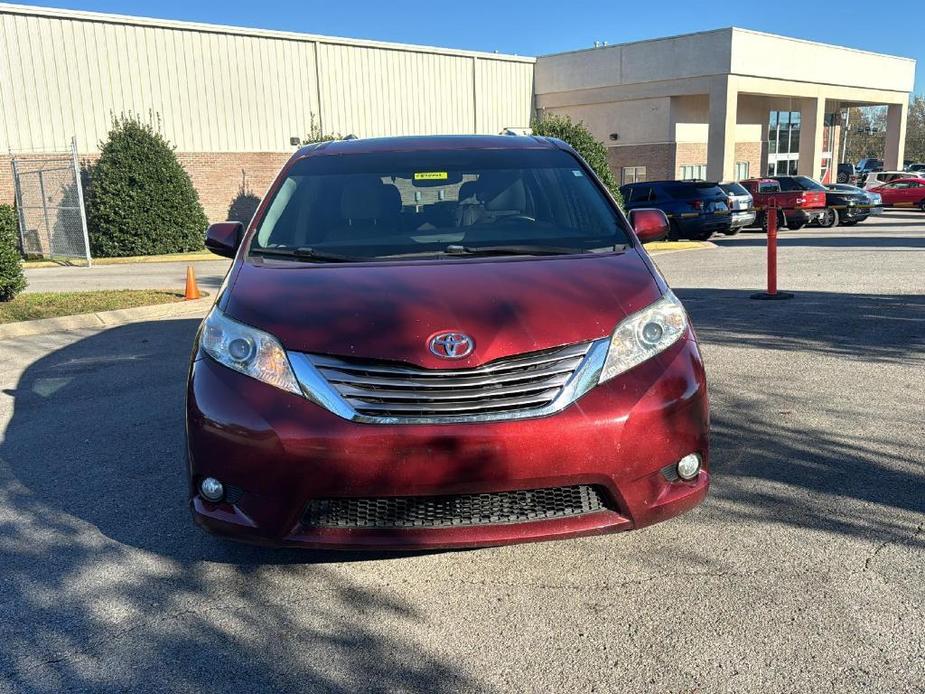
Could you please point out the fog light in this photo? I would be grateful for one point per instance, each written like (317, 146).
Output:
(212, 489)
(689, 466)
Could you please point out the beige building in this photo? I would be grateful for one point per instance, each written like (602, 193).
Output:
(724, 104)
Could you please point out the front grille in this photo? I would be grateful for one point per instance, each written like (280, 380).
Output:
(395, 390)
(453, 511)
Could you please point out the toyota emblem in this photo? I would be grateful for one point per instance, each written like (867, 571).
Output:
(451, 345)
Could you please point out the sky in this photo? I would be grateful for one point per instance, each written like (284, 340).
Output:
(536, 27)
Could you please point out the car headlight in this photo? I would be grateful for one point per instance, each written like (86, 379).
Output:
(644, 334)
(252, 352)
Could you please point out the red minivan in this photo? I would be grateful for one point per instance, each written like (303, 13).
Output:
(442, 342)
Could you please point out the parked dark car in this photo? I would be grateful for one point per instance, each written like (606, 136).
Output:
(868, 164)
(847, 173)
(846, 205)
(741, 206)
(695, 209)
(916, 167)
(442, 342)
(859, 204)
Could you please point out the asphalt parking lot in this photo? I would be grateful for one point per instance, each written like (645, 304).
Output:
(803, 570)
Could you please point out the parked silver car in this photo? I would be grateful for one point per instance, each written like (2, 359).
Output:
(741, 206)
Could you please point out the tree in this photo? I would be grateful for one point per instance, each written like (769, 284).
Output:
(12, 279)
(915, 130)
(316, 134)
(140, 200)
(864, 134)
(579, 137)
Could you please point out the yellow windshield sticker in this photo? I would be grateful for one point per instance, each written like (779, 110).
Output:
(430, 176)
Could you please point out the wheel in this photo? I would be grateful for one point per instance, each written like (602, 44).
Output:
(922, 205)
(796, 226)
(850, 222)
(829, 218)
(781, 221)
(674, 230)
(842, 178)
(732, 232)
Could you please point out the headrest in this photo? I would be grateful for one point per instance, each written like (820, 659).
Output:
(361, 199)
(390, 198)
(502, 190)
(468, 190)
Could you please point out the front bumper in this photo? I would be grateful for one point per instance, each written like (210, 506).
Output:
(803, 215)
(282, 451)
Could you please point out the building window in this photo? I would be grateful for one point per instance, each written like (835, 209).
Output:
(633, 174)
(741, 170)
(783, 142)
(693, 171)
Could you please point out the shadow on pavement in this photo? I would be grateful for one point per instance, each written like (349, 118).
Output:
(107, 583)
(102, 564)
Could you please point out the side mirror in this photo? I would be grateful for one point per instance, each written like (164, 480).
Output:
(224, 238)
(649, 224)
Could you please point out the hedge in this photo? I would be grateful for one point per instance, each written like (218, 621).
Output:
(12, 279)
(140, 201)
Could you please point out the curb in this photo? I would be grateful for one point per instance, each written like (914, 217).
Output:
(128, 260)
(106, 319)
(661, 247)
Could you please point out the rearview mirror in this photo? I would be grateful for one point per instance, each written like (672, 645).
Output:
(649, 224)
(223, 238)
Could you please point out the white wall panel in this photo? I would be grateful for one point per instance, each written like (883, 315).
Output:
(226, 89)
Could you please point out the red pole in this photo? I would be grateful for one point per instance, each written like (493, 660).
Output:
(772, 247)
(771, 220)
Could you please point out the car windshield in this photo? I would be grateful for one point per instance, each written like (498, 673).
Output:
(796, 183)
(734, 188)
(432, 203)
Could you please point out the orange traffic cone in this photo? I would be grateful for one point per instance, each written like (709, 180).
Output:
(192, 289)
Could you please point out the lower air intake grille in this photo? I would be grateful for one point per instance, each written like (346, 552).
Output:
(451, 511)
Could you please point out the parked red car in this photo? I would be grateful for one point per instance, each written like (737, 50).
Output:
(799, 199)
(442, 342)
(903, 192)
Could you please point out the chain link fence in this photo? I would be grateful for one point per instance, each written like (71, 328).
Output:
(50, 204)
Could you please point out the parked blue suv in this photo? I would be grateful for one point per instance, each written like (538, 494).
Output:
(696, 209)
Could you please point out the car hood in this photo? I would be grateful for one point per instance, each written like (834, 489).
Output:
(390, 310)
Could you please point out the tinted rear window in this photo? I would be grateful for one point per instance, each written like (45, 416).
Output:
(380, 204)
(798, 183)
(734, 188)
(691, 190)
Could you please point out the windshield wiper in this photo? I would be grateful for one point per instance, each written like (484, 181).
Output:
(519, 250)
(306, 253)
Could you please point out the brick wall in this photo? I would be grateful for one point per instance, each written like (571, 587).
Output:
(219, 177)
(689, 154)
(658, 160)
(750, 152)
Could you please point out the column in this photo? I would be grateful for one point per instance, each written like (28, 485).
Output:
(721, 143)
(812, 124)
(895, 148)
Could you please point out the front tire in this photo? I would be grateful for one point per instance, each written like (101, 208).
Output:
(732, 232)
(829, 218)
(922, 205)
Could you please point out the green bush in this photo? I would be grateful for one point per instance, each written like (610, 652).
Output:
(140, 200)
(579, 137)
(12, 279)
